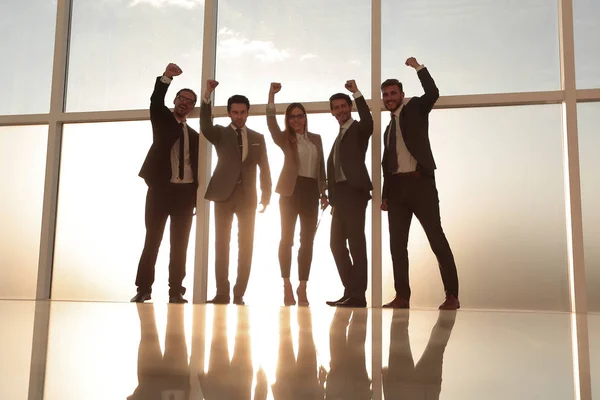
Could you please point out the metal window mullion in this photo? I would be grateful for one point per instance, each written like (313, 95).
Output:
(209, 52)
(41, 324)
(573, 209)
(376, 248)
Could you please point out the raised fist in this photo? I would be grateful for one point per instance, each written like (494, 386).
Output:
(412, 62)
(172, 70)
(351, 86)
(275, 87)
(211, 84)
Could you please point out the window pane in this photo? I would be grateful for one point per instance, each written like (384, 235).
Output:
(477, 46)
(589, 143)
(22, 169)
(501, 189)
(100, 227)
(492, 356)
(300, 45)
(27, 29)
(265, 284)
(587, 31)
(117, 47)
(16, 339)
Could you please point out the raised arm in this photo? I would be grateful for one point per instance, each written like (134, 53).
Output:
(206, 121)
(366, 119)
(276, 133)
(432, 93)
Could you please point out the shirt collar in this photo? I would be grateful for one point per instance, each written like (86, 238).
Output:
(347, 124)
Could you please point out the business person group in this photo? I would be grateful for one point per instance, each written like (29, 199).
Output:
(306, 183)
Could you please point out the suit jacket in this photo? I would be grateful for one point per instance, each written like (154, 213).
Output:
(287, 143)
(352, 153)
(414, 123)
(156, 169)
(226, 174)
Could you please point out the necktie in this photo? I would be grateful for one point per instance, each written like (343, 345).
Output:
(181, 150)
(392, 154)
(337, 164)
(240, 142)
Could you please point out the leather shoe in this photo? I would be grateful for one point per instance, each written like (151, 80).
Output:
(141, 297)
(335, 302)
(451, 303)
(238, 300)
(353, 302)
(219, 299)
(177, 298)
(398, 302)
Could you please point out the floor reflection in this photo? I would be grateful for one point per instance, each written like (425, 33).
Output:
(137, 352)
(348, 377)
(231, 378)
(162, 377)
(402, 378)
(298, 377)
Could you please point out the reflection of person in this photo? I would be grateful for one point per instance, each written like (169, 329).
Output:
(298, 378)
(348, 378)
(402, 379)
(162, 376)
(233, 189)
(409, 185)
(301, 183)
(227, 379)
(350, 188)
(171, 173)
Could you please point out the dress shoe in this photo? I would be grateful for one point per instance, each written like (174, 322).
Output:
(451, 303)
(177, 298)
(353, 302)
(398, 302)
(238, 300)
(335, 302)
(219, 299)
(141, 297)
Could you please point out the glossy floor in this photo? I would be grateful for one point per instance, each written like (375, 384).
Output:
(173, 352)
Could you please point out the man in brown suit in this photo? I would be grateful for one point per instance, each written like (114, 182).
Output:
(233, 188)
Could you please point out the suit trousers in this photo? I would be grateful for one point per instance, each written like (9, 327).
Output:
(410, 195)
(303, 203)
(244, 208)
(348, 231)
(176, 201)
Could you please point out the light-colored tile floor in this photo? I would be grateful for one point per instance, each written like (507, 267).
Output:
(157, 351)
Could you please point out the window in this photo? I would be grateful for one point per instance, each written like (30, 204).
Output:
(479, 46)
(22, 166)
(501, 190)
(27, 29)
(118, 47)
(587, 30)
(100, 224)
(312, 48)
(589, 142)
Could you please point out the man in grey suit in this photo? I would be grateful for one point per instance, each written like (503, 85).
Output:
(233, 188)
(409, 185)
(349, 187)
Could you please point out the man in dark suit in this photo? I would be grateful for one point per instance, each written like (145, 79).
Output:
(233, 188)
(171, 173)
(409, 185)
(349, 187)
